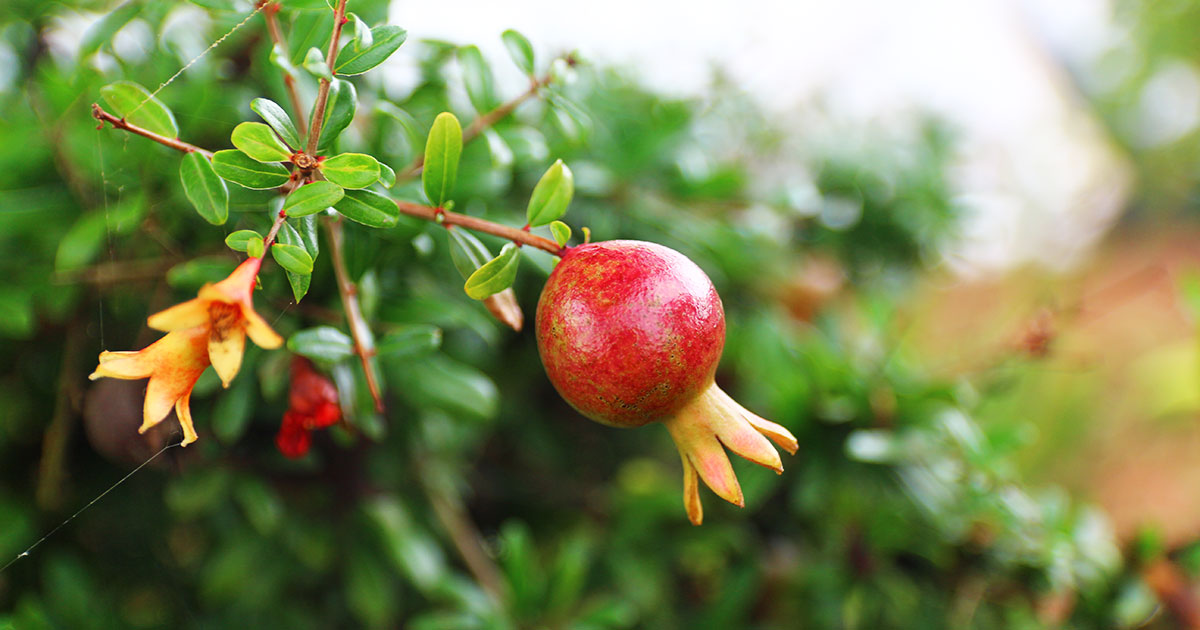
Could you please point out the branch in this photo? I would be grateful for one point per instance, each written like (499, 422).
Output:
(483, 122)
(363, 346)
(520, 237)
(289, 81)
(119, 123)
(314, 132)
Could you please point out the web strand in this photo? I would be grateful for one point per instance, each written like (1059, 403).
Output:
(198, 57)
(28, 550)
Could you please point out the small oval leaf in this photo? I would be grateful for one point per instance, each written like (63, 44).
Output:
(561, 232)
(240, 240)
(339, 113)
(363, 38)
(410, 341)
(387, 176)
(496, 275)
(551, 195)
(259, 142)
(293, 258)
(384, 41)
(368, 208)
(314, 63)
(323, 343)
(204, 188)
(519, 49)
(351, 170)
(244, 171)
(312, 198)
(254, 249)
(273, 114)
(134, 103)
(443, 149)
(467, 252)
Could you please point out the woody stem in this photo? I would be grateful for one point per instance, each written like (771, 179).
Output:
(314, 132)
(446, 217)
(120, 123)
(364, 345)
(289, 82)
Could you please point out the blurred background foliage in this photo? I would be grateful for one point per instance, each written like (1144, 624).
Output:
(480, 499)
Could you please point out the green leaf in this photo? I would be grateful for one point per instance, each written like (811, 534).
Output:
(134, 103)
(519, 49)
(259, 142)
(387, 176)
(239, 241)
(339, 113)
(246, 172)
(551, 195)
(314, 63)
(293, 258)
(312, 198)
(478, 79)
(323, 343)
(196, 272)
(309, 29)
(368, 208)
(280, 60)
(255, 247)
(307, 229)
(17, 317)
(410, 341)
(363, 38)
(351, 170)
(496, 275)
(290, 235)
(561, 232)
(467, 252)
(106, 27)
(385, 40)
(273, 114)
(262, 505)
(204, 188)
(443, 149)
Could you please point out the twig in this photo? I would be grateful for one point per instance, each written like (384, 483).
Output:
(120, 123)
(363, 346)
(314, 131)
(51, 470)
(1173, 590)
(483, 122)
(270, 240)
(479, 225)
(448, 508)
(289, 81)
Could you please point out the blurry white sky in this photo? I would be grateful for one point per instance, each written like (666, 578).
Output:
(1036, 173)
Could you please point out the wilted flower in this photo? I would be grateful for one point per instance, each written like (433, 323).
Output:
(312, 404)
(227, 311)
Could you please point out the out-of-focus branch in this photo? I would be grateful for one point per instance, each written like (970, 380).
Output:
(289, 82)
(359, 330)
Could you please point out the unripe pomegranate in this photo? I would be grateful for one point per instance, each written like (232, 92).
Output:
(630, 333)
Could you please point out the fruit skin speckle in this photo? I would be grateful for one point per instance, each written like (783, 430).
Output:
(629, 331)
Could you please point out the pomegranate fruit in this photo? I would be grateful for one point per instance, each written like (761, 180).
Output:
(631, 333)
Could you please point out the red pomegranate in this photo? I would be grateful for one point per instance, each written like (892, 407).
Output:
(631, 333)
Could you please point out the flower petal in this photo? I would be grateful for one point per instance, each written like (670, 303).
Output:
(183, 410)
(225, 348)
(124, 365)
(237, 287)
(712, 463)
(728, 420)
(777, 433)
(161, 394)
(191, 313)
(260, 331)
(691, 492)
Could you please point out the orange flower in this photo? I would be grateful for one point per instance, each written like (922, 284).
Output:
(173, 364)
(226, 310)
(208, 330)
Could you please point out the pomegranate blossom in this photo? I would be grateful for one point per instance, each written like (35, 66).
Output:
(630, 333)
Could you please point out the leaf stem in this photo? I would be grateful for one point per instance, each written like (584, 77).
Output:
(314, 131)
(120, 123)
(363, 345)
(445, 217)
(289, 81)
